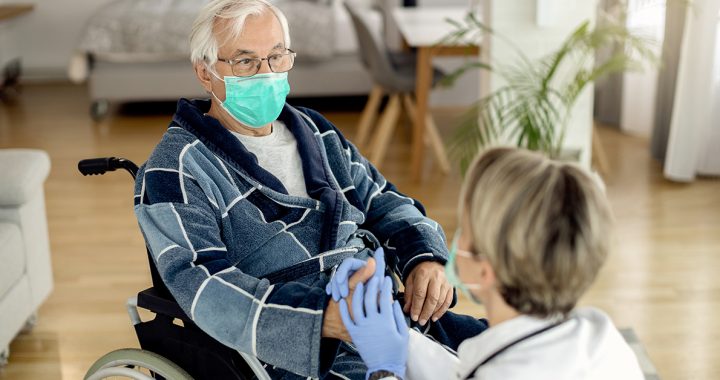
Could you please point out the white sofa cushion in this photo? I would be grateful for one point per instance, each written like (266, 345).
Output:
(12, 257)
(23, 172)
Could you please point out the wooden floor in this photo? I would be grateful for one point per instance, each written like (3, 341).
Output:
(662, 280)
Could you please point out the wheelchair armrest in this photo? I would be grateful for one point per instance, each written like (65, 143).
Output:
(155, 301)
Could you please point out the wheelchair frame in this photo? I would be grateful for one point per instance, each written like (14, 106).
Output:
(165, 343)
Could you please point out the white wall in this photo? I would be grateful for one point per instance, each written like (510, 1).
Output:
(8, 42)
(646, 18)
(48, 35)
(465, 91)
(517, 20)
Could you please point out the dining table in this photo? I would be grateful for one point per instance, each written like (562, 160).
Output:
(426, 29)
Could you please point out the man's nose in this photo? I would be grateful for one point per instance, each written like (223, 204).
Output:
(264, 67)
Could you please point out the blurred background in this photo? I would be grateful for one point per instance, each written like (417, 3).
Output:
(637, 101)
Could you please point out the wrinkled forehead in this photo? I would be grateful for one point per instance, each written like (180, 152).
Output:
(257, 35)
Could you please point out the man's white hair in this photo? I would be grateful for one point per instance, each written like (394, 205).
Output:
(203, 42)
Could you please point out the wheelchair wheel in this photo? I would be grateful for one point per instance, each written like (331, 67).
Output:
(136, 364)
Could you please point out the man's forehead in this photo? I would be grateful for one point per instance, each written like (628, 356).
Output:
(242, 51)
(259, 34)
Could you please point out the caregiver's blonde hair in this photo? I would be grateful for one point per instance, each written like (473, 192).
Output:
(543, 225)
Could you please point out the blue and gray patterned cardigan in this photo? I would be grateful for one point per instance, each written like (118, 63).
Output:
(248, 262)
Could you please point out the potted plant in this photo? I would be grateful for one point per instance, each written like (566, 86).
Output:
(532, 106)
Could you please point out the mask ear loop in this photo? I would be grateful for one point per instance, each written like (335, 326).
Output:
(212, 71)
(217, 76)
(453, 275)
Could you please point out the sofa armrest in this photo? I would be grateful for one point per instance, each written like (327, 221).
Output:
(22, 202)
(23, 172)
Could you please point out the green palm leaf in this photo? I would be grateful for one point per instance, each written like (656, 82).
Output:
(534, 102)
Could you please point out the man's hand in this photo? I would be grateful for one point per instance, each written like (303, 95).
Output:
(427, 292)
(333, 326)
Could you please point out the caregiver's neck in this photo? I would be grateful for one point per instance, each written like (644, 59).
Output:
(498, 311)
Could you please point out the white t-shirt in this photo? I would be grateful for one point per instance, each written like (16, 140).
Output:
(278, 154)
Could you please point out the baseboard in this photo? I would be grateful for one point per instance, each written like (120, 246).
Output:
(44, 75)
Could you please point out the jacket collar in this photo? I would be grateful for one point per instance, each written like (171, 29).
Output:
(191, 116)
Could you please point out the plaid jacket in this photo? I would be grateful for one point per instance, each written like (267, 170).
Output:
(248, 262)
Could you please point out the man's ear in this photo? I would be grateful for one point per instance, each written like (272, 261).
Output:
(204, 76)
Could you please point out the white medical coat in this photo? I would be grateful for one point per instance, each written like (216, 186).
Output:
(586, 346)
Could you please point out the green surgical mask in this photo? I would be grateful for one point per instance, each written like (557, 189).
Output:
(255, 101)
(451, 273)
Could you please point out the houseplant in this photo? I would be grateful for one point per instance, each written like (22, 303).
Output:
(532, 106)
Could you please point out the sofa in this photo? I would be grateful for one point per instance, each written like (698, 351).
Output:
(25, 272)
(137, 50)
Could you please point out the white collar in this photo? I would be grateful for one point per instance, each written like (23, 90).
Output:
(475, 350)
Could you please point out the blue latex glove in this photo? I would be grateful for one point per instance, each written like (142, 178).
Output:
(379, 331)
(338, 286)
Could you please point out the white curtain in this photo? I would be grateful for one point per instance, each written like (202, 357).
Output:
(694, 142)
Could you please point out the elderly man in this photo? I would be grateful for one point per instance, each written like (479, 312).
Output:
(248, 204)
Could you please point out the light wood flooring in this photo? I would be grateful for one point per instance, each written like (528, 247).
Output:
(662, 280)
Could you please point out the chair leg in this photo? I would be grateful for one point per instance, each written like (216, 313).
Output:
(388, 120)
(598, 152)
(437, 144)
(368, 116)
(4, 356)
(410, 111)
(432, 136)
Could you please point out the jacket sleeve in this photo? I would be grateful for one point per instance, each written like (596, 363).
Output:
(399, 222)
(278, 323)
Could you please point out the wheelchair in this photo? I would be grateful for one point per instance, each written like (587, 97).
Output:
(172, 346)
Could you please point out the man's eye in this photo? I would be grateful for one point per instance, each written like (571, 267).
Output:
(245, 61)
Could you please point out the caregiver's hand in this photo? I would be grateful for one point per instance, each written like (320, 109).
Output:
(338, 286)
(333, 326)
(378, 331)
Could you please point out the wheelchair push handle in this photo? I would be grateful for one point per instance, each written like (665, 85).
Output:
(95, 166)
(99, 166)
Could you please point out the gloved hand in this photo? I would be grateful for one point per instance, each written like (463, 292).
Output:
(379, 331)
(338, 286)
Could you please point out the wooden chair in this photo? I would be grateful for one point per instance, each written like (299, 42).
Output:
(394, 76)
